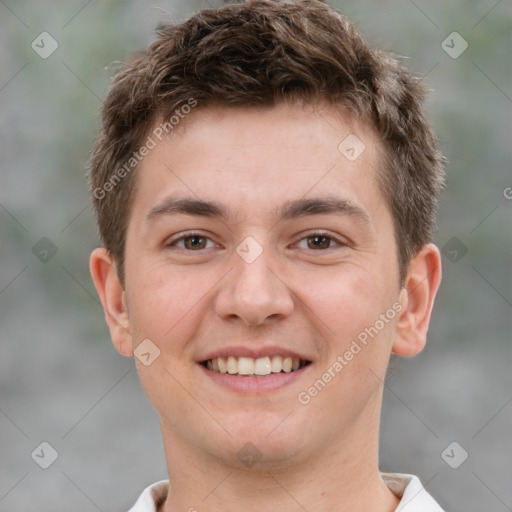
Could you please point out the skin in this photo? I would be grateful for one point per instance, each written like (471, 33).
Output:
(188, 301)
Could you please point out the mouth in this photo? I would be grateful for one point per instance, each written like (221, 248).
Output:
(249, 367)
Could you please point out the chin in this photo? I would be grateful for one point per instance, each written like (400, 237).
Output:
(255, 445)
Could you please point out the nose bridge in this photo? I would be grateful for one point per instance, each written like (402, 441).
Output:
(254, 292)
(254, 275)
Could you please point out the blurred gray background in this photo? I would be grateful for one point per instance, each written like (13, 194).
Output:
(62, 382)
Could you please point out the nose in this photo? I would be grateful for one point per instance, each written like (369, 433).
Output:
(253, 292)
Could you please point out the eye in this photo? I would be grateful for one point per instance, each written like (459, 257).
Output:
(192, 242)
(319, 240)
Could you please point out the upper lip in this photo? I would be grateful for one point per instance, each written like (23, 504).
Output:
(254, 352)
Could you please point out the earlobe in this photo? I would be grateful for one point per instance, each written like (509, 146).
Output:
(417, 299)
(112, 296)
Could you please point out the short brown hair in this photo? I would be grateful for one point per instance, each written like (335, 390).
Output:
(262, 53)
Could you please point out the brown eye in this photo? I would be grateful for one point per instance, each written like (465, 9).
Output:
(194, 242)
(191, 242)
(319, 242)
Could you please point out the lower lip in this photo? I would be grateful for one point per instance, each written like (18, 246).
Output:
(254, 384)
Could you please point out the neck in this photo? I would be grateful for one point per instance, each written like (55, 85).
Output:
(342, 476)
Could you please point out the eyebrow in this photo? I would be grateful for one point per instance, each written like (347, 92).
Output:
(289, 210)
(320, 206)
(188, 206)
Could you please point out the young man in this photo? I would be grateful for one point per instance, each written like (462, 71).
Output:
(265, 186)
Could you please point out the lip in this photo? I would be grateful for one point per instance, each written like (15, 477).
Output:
(254, 352)
(255, 384)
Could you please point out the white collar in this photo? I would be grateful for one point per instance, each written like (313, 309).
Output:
(414, 497)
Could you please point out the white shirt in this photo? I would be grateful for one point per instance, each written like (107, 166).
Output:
(414, 497)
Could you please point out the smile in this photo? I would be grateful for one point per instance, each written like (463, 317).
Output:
(247, 366)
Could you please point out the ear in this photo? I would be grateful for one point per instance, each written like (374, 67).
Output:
(112, 296)
(417, 299)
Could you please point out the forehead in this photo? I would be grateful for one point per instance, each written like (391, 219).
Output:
(254, 159)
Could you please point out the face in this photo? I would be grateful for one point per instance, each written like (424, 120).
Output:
(261, 265)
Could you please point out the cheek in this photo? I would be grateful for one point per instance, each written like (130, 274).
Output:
(347, 306)
(344, 299)
(166, 302)
(165, 307)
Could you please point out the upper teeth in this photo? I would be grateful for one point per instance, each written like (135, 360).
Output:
(251, 366)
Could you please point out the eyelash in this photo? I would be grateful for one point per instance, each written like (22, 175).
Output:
(313, 234)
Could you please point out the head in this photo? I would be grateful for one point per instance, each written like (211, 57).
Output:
(251, 125)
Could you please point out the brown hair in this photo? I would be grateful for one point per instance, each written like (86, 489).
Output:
(261, 53)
